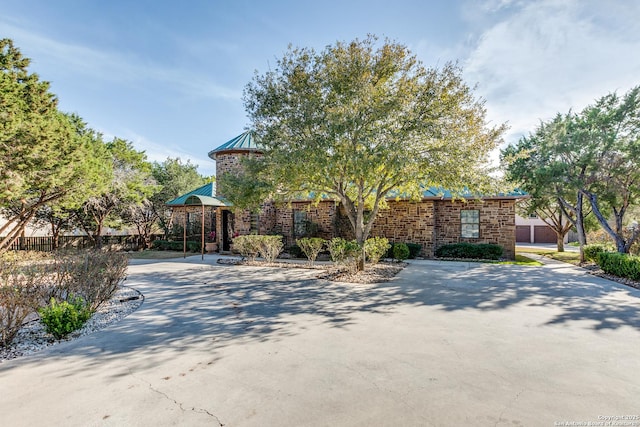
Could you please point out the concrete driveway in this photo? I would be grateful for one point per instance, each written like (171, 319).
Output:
(443, 344)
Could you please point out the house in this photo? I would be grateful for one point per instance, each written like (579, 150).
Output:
(433, 221)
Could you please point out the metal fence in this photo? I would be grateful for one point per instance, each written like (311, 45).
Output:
(46, 243)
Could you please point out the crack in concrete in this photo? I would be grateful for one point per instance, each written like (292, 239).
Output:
(508, 406)
(179, 404)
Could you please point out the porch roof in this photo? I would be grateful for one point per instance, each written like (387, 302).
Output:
(204, 195)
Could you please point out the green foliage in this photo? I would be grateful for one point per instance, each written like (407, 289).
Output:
(360, 119)
(414, 250)
(62, 318)
(93, 275)
(591, 251)
(270, 247)
(311, 246)
(375, 248)
(344, 252)
(596, 152)
(248, 246)
(173, 178)
(174, 245)
(621, 265)
(295, 251)
(401, 251)
(43, 160)
(470, 251)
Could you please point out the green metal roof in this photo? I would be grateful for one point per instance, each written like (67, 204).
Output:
(246, 141)
(204, 195)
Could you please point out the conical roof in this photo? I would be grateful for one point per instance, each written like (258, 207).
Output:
(246, 141)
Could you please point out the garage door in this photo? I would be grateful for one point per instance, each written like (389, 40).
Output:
(523, 234)
(544, 234)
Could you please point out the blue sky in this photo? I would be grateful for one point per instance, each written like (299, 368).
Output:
(169, 76)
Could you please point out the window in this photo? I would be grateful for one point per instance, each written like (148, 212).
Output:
(470, 223)
(299, 223)
(533, 215)
(255, 224)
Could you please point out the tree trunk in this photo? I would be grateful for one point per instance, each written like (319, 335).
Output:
(620, 241)
(560, 242)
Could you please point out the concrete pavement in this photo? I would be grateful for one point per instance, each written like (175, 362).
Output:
(445, 343)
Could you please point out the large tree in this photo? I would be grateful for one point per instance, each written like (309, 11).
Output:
(611, 126)
(586, 161)
(42, 159)
(360, 119)
(128, 183)
(174, 178)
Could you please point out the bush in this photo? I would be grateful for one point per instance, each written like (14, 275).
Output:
(375, 248)
(311, 247)
(247, 246)
(295, 251)
(591, 251)
(269, 247)
(621, 265)
(21, 293)
(93, 275)
(167, 245)
(470, 251)
(400, 251)
(414, 250)
(342, 250)
(62, 318)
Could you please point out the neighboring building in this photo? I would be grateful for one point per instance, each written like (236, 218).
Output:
(534, 230)
(431, 222)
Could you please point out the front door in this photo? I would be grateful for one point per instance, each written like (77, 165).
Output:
(227, 230)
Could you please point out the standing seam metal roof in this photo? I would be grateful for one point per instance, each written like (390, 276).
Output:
(246, 141)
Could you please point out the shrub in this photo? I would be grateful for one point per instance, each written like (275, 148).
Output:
(375, 248)
(400, 251)
(269, 247)
(342, 250)
(62, 318)
(621, 265)
(470, 251)
(166, 245)
(248, 246)
(414, 250)
(311, 247)
(93, 275)
(295, 251)
(21, 293)
(591, 251)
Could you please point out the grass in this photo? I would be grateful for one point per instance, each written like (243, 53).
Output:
(569, 257)
(522, 260)
(150, 254)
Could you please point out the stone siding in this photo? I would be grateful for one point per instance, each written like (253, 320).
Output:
(497, 223)
(407, 222)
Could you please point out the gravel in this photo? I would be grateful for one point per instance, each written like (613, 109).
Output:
(33, 337)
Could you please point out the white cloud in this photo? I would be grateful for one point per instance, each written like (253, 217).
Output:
(545, 57)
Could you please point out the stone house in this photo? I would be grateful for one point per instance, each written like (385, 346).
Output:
(435, 220)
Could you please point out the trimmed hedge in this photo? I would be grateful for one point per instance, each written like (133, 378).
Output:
(172, 245)
(400, 251)
(470, 251)
(414, 250)
(621, 265)
(591, 251)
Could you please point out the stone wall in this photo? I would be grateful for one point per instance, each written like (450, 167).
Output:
(497, 223)
(230, 162)
(407, 222)
(323, 214)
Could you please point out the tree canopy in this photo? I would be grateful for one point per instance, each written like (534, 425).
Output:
(42, 158)
(585, 161)
(360, 119)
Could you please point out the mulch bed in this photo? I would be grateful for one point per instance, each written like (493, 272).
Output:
(597, 271)
(376, 273)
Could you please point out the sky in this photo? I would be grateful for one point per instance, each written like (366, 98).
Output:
(169, 76)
